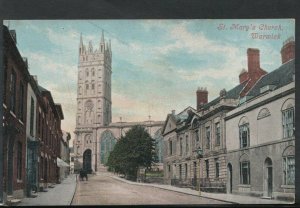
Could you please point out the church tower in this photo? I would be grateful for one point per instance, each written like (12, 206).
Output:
(93, 95)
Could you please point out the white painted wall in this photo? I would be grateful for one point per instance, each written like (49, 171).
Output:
(264, 130)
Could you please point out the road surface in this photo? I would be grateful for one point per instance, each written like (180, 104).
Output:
(104, 190)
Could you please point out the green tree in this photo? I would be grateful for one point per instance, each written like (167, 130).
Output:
(136, 149)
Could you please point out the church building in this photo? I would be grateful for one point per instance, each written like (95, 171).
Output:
(95, 134)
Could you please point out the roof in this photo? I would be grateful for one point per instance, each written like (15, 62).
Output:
(279, 77)
(234, 93)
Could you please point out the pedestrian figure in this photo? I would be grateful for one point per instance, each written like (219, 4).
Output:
(83, 174)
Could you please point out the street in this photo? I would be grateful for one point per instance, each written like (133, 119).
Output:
(104, 190)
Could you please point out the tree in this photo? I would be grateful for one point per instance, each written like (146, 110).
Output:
(136, 149)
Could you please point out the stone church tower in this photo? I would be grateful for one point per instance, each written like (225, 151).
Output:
(93, 98)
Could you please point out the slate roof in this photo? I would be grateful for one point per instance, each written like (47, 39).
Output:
(279, 77)
(234, 93)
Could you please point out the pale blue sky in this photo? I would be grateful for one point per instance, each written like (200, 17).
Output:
(157, 64)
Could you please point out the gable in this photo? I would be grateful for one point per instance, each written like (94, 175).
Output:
(170, 124)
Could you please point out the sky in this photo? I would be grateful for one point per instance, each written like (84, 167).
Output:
(157, 65)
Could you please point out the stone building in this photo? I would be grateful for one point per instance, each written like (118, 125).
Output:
(32, 147)
(95, 135)
(14, 117)
(204, 129)
(63, 162)
(260, 137)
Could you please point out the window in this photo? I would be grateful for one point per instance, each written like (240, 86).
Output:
(218, 136)
(19, 161)
(186, 144)
(217, 168)
(87, 72)
(169, 168)
(197, 135)
(21, 102)
(245, 172)
(288, 122)
(180, 171)
(93, 72)
(186, 170)
(170, 148)
(5, 79)
(31, 116)
(207, 168)
(244, 136)
(208, 137)
(93, 86)
(13, 91)
(289, 170)
(181, 146)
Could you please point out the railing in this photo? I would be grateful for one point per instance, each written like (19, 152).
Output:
(207, 184)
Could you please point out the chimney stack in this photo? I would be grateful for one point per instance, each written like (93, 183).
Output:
(253, 60)
(288, 50)
(202, 97)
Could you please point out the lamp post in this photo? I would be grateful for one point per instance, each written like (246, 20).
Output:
(199, 152)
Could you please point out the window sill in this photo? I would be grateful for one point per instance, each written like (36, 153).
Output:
(19, 181)
(288, 186)
(21, 122)
(12, 113)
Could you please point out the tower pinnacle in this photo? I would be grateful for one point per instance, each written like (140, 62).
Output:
(102, 37)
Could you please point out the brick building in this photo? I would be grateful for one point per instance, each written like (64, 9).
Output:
(50, 133)
(14, 116)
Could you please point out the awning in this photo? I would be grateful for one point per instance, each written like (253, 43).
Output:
(61, 163)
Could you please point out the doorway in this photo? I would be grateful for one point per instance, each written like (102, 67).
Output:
(268, 182)
(87, 160)
(229, 178)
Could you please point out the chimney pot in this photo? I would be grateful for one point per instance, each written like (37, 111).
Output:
(173, 112)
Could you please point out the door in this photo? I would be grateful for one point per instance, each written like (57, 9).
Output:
(229, 178)
(87, 160)
(270, 179)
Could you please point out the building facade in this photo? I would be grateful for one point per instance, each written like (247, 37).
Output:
(204, 130)
(32, 147)
(260, 135)
(63, 162)
(14, 117)
(50, 134)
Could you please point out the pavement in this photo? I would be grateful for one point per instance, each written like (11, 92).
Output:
(61, 194)
(230, 198)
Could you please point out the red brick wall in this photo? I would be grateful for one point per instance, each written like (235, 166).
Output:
(202, 98)
(14, 62)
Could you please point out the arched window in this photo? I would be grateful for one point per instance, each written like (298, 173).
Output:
(288, 157)
(244, 169)
(244, 132)
(288, 118)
